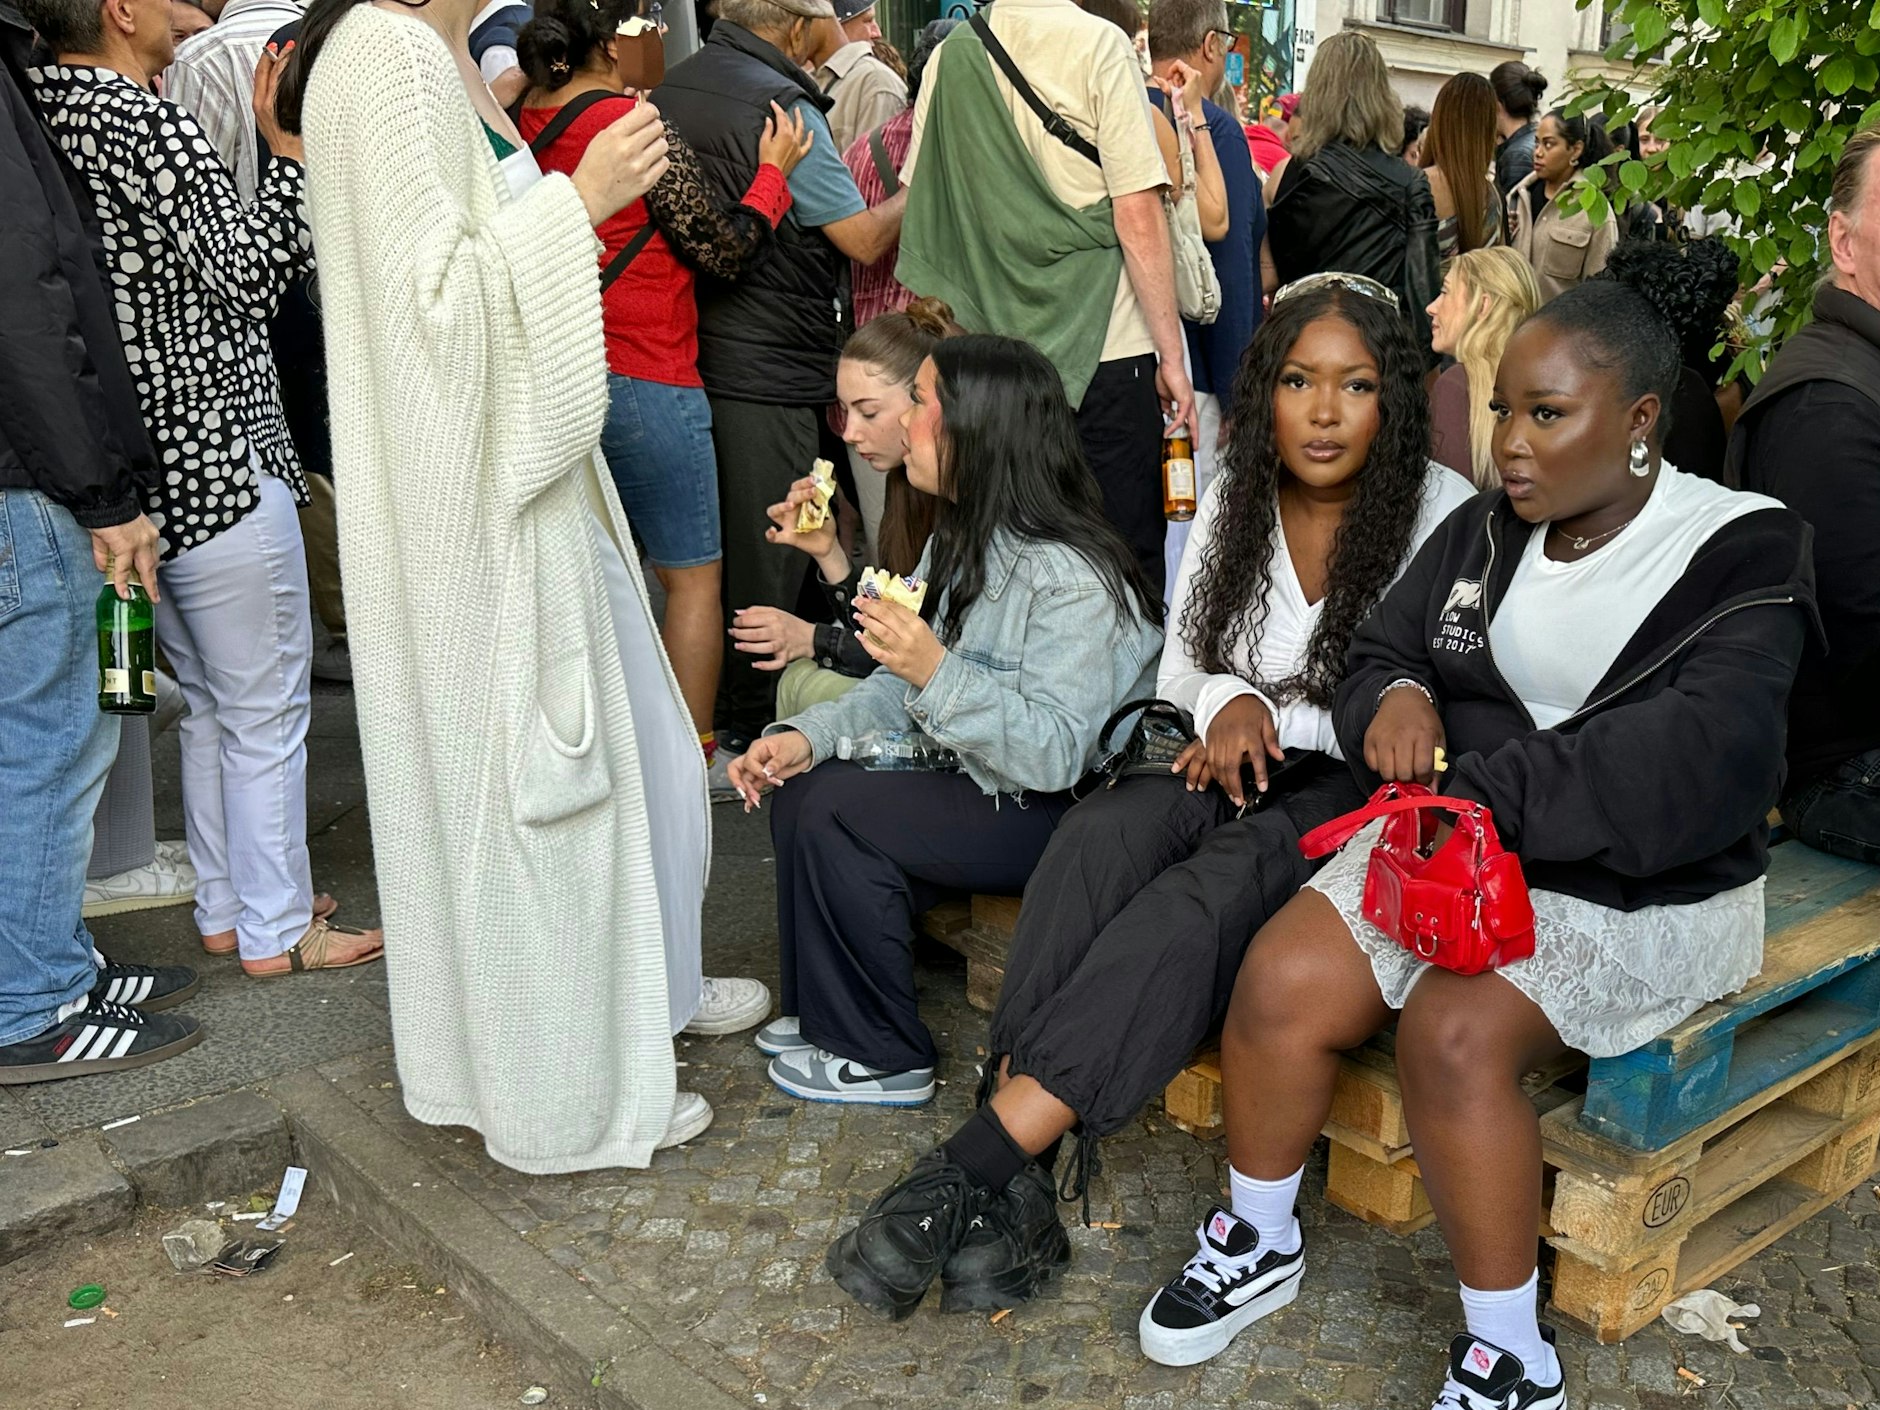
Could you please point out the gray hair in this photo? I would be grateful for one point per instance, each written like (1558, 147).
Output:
(758, 16)
(1177, 28)
(67, 26)
(1851, 173)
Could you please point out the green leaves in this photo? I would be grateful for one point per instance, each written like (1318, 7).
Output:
(1757, 99)
(1785, 38)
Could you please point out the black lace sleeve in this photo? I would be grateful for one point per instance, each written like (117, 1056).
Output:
(720, 240)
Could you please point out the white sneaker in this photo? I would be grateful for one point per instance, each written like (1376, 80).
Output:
(164, 882)
(691, 1114)
(1484, 1377)
(729, 1006)
(175, 852)
(718, 781)
(782, 1035)
(1228, 1285)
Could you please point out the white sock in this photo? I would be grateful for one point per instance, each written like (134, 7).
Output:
(78, 1005)
(1268, 1206)
(1510, 1320)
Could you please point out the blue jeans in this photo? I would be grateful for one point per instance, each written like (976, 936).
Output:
(55, 749)
(1840, 811)
(658, 444)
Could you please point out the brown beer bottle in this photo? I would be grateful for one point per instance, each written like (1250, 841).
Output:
(1178, 477)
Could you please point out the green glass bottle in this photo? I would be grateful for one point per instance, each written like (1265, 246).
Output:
(127, 651)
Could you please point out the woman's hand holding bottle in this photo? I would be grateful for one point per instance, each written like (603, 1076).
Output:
(767, 763)
(622, 163)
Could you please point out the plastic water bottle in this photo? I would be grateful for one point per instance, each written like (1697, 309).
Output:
(899, 751)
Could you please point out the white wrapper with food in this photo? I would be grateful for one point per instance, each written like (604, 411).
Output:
(910, 591)
(813, 513)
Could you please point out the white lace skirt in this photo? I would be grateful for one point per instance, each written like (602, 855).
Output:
(1609, 981)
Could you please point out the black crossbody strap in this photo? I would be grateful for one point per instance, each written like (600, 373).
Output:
(563, 119)
(1054, 122)
(890, 178)
(618, 264)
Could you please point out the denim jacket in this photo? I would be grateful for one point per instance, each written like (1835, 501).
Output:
(1020, 697)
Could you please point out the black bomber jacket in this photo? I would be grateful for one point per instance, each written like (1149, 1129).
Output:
(1656, 791)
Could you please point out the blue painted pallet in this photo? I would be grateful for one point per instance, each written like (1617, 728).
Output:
(1818, 994)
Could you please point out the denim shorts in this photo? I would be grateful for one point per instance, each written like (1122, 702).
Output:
(658, 444)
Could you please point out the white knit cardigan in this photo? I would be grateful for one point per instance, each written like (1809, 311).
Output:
(468, 387)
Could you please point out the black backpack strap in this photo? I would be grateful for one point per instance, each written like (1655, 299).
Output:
(1054, 122)
(563, 119)
(628, 252)
(890, 178)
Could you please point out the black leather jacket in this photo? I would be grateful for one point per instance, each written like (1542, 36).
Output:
(1359, 211)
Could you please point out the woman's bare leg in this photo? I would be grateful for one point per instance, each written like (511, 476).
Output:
(1305, 994)
(1463, 1045)
(691, 632)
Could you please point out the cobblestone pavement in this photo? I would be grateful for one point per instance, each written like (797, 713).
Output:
(718, 1249)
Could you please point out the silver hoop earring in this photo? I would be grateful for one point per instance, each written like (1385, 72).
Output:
(1641, 462)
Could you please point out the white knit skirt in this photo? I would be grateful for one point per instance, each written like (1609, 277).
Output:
(1608, 980)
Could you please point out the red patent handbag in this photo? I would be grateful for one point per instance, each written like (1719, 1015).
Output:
(1465, 906)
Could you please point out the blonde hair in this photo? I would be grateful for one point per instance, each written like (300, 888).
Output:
(1502, 293)
(1348, 98)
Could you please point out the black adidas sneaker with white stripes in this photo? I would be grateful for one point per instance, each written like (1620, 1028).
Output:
(100, 1037)
(144, 986)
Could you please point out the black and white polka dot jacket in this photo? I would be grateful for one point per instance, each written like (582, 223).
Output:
(195, 276)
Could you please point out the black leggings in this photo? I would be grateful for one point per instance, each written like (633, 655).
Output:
(859, 856)
(1133, 930)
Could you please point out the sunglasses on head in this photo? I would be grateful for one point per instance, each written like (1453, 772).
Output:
(1354, 283)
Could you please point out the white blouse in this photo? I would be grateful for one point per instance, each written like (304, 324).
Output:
(1280, 651)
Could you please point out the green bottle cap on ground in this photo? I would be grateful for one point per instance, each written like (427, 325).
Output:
(89, 1296)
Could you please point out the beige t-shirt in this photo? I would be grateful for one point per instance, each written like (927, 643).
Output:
(1085, 69)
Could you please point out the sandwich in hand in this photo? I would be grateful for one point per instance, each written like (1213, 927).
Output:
(910, 591)
(813, 513)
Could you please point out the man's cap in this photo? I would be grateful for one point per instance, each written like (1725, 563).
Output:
(847, 10)
(808, 9)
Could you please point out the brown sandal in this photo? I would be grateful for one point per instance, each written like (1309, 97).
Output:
(324, 908)
(312, 950)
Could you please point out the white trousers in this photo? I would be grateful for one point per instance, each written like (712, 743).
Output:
(1207, 465)
(234, 621)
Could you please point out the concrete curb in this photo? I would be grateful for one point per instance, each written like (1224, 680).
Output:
(520, 1294)
(91, 1182)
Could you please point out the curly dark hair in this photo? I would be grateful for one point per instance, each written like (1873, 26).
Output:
(1228, 592)
(1691, 285)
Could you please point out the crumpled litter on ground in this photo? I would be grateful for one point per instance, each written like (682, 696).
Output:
(1709, 1313)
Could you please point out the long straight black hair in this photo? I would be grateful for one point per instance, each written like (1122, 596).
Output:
(1010, 459)
(322, 17)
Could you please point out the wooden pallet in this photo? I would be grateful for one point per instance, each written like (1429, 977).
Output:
(981, 930)
(1634, 1230)
(1818, 993)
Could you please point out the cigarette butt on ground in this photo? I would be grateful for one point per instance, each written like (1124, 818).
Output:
(999, 1316)
(1685, 1373)
(1108, 1224)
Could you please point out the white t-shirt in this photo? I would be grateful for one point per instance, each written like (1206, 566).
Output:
(1280, 651)
(1562, 625)
(1085, 69)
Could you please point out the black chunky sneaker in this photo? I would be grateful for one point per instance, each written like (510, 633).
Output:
(1012, 1248)
(1226, 1287)
(144, 986)
(1484, 1377)
(889, 1260)
(98, 1038)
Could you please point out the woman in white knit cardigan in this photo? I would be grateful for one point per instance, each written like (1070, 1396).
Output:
(538, 801)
